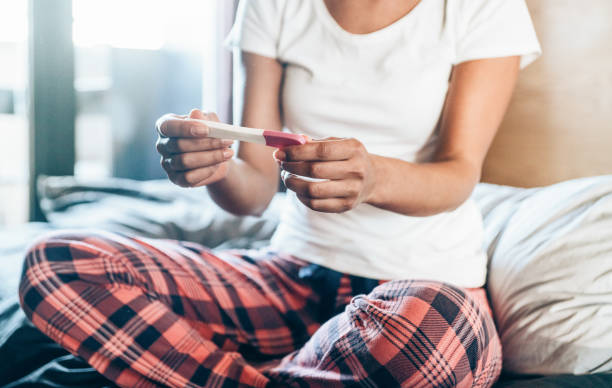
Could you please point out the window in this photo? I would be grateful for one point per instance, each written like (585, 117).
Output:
(134, 61)
(13, 116)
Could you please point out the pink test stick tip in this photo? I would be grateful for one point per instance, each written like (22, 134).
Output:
(283, 139)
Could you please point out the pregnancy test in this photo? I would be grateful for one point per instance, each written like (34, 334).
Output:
(252, 135)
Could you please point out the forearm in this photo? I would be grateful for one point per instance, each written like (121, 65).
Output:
(245, 190)
(477, 99)
(422, 189)
(478, 95)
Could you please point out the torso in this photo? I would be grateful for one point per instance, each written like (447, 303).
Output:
(378, 70)
(366, 16)
(383, 80)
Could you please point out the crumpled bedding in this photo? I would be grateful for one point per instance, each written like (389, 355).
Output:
(154, 209)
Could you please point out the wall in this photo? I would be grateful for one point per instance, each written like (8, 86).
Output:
(559, 124)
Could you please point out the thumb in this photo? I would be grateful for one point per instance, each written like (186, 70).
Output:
(200, 115)
(197, 114)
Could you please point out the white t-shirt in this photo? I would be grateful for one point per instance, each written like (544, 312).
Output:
(386, 89)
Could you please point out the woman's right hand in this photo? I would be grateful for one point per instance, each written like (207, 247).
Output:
(188, 156)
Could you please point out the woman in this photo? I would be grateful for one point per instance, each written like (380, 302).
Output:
(375, 274)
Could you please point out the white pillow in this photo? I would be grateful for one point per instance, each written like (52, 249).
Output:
(550, 274)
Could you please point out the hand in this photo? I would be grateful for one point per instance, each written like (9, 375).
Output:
(188, 156)
(345, 163)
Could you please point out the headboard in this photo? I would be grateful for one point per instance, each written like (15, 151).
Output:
(559, 123)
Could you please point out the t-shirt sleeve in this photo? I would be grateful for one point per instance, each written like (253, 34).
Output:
(496, 28)
(257, 27)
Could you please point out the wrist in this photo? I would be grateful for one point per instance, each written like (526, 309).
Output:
(377, 174)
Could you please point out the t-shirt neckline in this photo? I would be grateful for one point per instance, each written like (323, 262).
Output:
(331, 22)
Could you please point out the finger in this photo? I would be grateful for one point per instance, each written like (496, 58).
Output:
(202, 115)
(212, 116)
(322, 170)
(330, 205)
(171, 126)
(170, 146)
(321, 190)
(192, 178)
(194, 160)
(197, 114)
(279, 154)
(320, 150)
(161, 145)
(160, 121)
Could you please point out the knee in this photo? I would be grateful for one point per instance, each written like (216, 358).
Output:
(49, 263)
(417, 300)
(441, 323)
(54, 247)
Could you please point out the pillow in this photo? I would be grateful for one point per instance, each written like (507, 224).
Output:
(550, 274)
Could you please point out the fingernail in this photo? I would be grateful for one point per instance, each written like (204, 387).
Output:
(280, 155)
(227, 142)
(227, 153)
(199, 131)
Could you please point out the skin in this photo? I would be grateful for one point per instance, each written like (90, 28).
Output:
(479, 93)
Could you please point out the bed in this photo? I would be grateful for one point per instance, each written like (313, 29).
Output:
(546, 202)
(159, 209)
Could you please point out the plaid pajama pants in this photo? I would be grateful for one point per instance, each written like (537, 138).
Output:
(147, 313)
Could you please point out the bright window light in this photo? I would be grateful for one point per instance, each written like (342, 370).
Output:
(142, 24)
(13, 20)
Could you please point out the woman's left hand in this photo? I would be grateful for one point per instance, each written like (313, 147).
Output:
(345, 163)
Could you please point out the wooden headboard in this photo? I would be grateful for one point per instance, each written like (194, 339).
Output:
(559, 123)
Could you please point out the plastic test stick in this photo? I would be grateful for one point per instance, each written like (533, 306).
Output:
(252, 135)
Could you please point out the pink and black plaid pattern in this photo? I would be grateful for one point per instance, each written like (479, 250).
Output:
(149, 312)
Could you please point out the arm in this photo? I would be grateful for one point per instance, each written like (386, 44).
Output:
(477, 99)
(252, 179)
(242, 185)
